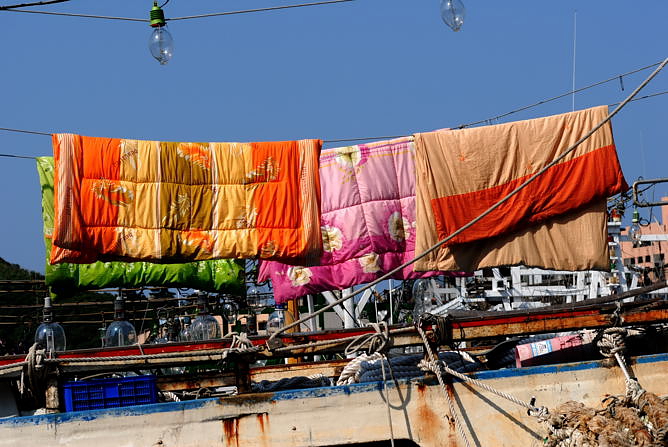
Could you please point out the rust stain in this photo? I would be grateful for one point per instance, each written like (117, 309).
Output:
(427, 421)
(263, 421)
(231, 430)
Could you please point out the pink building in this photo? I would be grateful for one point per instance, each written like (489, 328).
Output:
(648, 257)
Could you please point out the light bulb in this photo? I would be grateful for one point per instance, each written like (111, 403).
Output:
(205, 327)
(49, 335)
(185, 334)
(277, 319)
(120, 333)
(161, 45)
(424, 296)
(634, 231)
(452, 13)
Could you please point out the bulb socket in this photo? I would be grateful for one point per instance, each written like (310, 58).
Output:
(157, 16)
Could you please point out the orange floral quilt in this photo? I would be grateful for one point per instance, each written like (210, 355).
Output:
(121, 199)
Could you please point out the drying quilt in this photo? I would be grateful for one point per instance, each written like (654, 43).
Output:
(221, 275)
(133, 200)
(368, 220)
(560, 216)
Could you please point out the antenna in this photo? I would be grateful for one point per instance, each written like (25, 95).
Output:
(575, 35)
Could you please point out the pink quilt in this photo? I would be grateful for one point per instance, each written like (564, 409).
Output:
(367, 221)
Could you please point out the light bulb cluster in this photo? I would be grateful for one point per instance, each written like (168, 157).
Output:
(161, 43)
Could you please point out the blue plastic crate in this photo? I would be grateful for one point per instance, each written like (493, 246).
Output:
(109, 393)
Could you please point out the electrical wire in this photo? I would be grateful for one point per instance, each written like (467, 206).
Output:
(245, 11)
(554, 98)
(200, 16)
(24, 5)
(71, 14)
(17, 156)
(386, 137)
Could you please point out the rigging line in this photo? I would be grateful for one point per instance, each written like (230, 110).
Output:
(134, 19)
(272, 8)
(454, 234)
(544, 101)
(23, 5)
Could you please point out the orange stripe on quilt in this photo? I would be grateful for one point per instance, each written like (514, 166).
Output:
(562, 188)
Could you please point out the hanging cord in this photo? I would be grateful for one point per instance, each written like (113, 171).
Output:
(272, 339)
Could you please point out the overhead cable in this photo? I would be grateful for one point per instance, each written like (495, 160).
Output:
(340, 140)
(25, 5)
(200, 16)
(554, 98)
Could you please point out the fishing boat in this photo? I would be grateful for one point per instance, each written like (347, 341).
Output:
(508, 406)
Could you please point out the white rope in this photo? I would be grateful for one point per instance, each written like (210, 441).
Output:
(387, 397)
(351, 372)
(612, 344)
(536, 411)
(372, 343)
(435, 368)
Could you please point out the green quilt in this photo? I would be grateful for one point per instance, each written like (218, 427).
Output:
(223, 275)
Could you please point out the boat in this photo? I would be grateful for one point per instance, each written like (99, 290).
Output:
(428, 410)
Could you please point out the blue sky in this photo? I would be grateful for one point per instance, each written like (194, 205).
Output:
(367, 68)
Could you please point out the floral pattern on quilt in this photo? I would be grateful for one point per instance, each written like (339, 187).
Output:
(367, 220)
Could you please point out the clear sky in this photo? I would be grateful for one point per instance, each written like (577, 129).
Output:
(367, 68)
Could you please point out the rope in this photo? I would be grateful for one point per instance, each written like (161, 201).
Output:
(331, 342)
(272, 338)
(437, 371)
(612, 344)
(36, 371)
(291, 383)
(351, 372)
(536, 411)
(374, 342)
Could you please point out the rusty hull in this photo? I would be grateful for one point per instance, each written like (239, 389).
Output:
(343, 415)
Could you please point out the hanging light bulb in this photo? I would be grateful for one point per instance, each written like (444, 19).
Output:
(277, 319)
(160, 43)
(205, 326)
(49, 335)
(452, 13)
(634, 231)
(185, 334)
(120, 332)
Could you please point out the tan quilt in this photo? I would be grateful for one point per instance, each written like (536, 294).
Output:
(557, 222)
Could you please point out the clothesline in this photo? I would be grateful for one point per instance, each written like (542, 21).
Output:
(388, 137)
